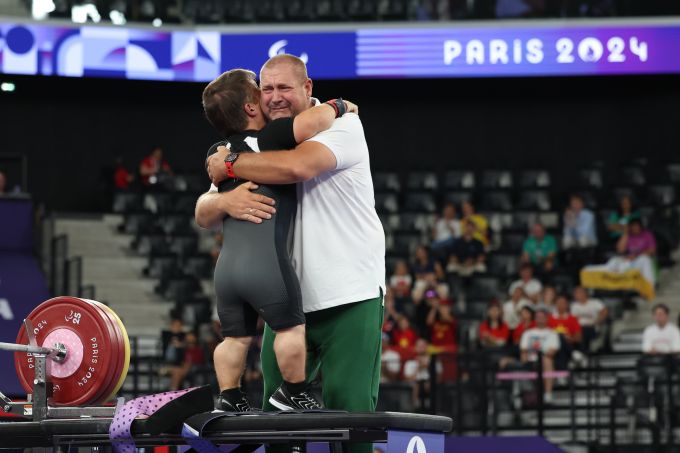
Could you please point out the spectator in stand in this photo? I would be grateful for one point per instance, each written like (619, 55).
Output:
(531, 286)
(548, 297)
(417, 372)
(404, 337)
(390, 362)
(526, 322)
(122, 178)
(540, 250)
(493, 331)
(513, 307)
(194, 356)
(467, 255)
(390, 316)
(445, 231)
(569, 330)
(591, 315)
(619, 219)
(401, 284)
(154, 169)
(478, 220)
(579, 225)
(638, 247)
(662, 337)
(442, 325)
(428, 274)
(545, 340)
(173, 342)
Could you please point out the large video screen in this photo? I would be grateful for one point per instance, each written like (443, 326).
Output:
(481, 50)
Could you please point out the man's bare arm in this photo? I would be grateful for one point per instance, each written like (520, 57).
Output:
(240, 203)
(306, 161)
(317, 119)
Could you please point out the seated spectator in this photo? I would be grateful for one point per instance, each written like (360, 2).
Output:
(390, 315)
(544, 339)
(401, 284)
(173, 342)
(579, 225)
(526, 322)
(638, 246)
(417, 372)
(540, 250)
(548, 297)
(493, 331)
(591, 315)
(532, 287)
(619, 219)
(467, 255)
(154, 169)
(662, 337)
(633, 269)
(428, 274)
(513, 307)
(479, 221)
(445, 231)
(442, 325)
(193, 357)
(569, 330)
(122, 178)
(390, 363)
(404, 337)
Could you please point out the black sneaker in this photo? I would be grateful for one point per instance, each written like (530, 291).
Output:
(240, 405)
(285, 401)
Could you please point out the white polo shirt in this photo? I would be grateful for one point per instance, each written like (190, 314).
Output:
(339, 246)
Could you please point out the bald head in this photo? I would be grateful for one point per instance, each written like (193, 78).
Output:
(294, 64)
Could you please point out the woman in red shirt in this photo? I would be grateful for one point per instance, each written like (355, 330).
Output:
(493, 331)
(526, 322)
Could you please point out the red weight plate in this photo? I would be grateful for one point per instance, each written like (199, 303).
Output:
(126, 354)
(81, 326)
(119, 348)
(109, 379)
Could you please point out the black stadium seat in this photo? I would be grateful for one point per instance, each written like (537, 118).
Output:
(457, 197)
(535, 200)
(661, 195)
(420, 202)
(497, 179)
(590, 178)
(422, 180)
(459, 179)
(496, 200)
(386, 202)
(124, 202)
(386, 181)
(534, 179)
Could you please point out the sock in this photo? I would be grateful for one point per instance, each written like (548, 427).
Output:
(232, 395)
(295, 388)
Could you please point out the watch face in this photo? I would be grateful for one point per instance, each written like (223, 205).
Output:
(231, 157)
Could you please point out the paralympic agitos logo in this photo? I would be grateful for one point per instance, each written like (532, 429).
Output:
(279, 47)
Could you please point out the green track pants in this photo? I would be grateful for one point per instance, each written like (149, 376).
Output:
(344, 345)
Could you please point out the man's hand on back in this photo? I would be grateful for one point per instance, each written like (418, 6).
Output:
(241, 203)
(217, 171)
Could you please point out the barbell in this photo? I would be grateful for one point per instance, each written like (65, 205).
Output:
(87, 346)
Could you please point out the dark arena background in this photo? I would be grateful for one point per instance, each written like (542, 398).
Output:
(526, 172)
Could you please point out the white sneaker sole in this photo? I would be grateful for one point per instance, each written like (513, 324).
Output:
(279, 405)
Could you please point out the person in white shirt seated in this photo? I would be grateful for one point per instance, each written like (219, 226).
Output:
(591, 314)
(662, 337)
(512, 307)
(531, 286)
(445, 232)
(542, 339)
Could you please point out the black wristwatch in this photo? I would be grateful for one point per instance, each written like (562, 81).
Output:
(229, 163)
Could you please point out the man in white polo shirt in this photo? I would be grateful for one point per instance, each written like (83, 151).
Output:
(339, 243)
(662, 337)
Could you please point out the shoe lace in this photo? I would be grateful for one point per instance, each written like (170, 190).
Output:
(313, 403)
